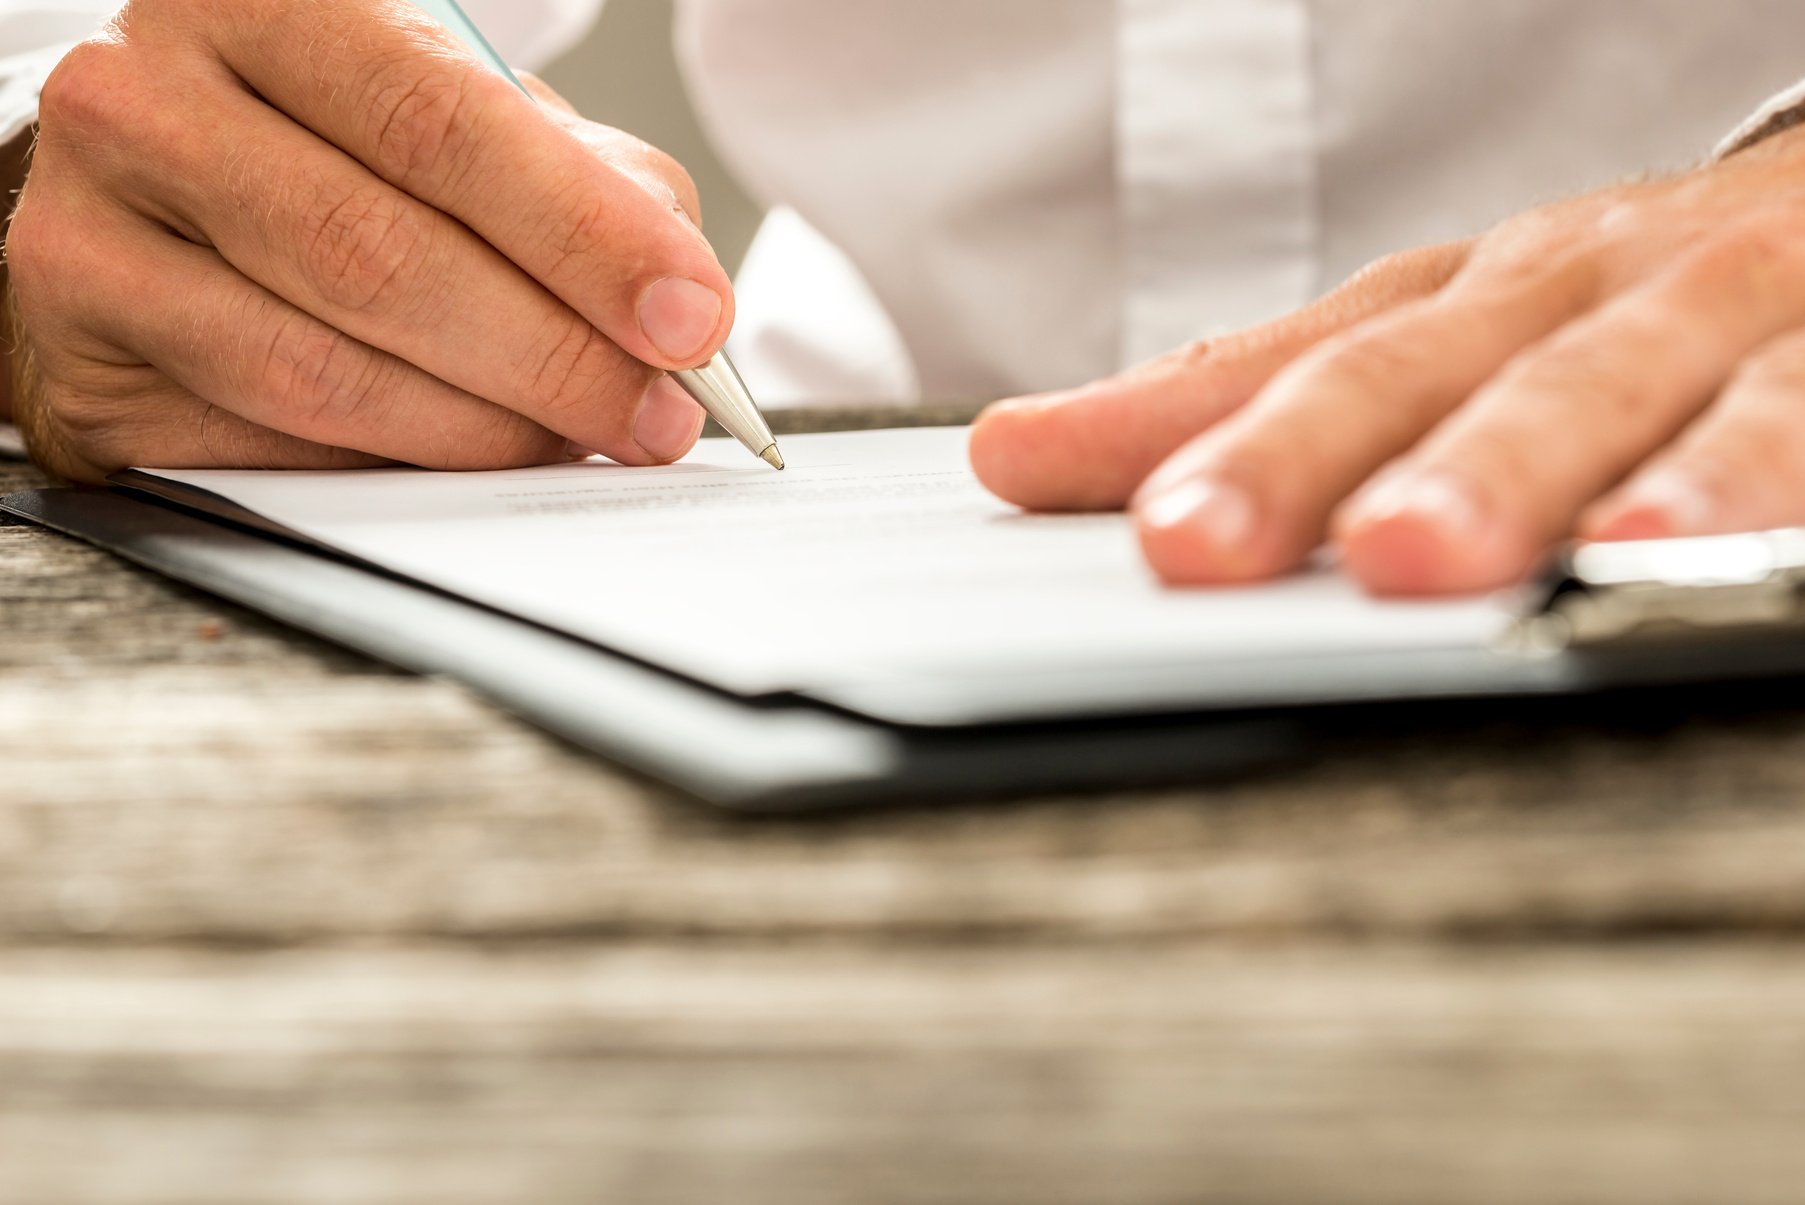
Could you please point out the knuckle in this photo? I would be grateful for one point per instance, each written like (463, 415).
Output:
(1757, 441)
(1761, 260)
(1746, 246)
(655, 170)
(1776, 369)
(493, 438)
(419, 118)
(1621, 219)
(316, 374)
(81, 418)
(1767, 444)
(91, 90)
(1497, 451)
(1593, 377)
(1370, 360)
(576, 370)
(1542, 242)
(511, 441)
(575, 245)
(361, 244)
(1576, 367)
(229, 445)
(1543, 226)
(1420, 269)
(1182, 363)
(1565, 267)
(57, 425)
(1191, 357)
(674, 175)
(1378, 272)
(602, 230)
(1198, 367)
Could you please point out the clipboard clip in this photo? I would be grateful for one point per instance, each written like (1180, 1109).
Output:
(1649, 590)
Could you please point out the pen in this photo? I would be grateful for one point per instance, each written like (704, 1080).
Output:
(716, 385)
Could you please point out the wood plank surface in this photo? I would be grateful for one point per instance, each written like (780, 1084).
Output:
(718, 1072)
(278, 923)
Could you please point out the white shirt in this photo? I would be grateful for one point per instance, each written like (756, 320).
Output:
(984, 197)
(1045, 191)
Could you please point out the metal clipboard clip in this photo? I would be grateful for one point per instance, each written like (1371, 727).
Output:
(1652, 590)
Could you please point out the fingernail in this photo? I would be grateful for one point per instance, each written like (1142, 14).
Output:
(1036, 403)
(1010, 407)
(679, 317)
(1446, 502)
(669, 421)
(1223, 515)
(1665, 503)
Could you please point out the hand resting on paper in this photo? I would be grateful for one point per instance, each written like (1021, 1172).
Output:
(318, 233)
(1627, 364)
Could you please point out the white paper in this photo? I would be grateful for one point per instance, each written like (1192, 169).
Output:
(875, 556)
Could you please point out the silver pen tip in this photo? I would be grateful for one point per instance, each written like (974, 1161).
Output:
(772, 457)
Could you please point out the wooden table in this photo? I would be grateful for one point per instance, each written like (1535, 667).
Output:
(280, 924)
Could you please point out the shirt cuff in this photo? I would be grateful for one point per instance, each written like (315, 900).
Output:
(1775, 117)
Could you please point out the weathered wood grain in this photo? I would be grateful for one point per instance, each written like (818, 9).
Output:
(223, 804)
(829, 1074)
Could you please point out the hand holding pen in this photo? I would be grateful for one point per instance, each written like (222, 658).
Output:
(316, 235)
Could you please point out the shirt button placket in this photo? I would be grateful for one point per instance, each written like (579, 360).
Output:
(1216, 167)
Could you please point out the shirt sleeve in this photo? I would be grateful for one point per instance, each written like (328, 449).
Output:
(34, 37)
(1777, 116)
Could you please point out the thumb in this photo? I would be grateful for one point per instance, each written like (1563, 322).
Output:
(1090, 448)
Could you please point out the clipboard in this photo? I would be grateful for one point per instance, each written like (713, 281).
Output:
(1612, 617)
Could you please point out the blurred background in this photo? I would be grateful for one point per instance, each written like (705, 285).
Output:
(624, 74)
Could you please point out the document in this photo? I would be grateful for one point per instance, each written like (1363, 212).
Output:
(876, 557)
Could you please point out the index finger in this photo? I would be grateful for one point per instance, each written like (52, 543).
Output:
(395, 90)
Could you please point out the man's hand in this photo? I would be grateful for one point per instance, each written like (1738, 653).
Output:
(313, 233)
(1629, 364)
